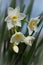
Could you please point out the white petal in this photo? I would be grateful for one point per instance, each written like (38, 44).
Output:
(30, 37)
(17, 9)
(9, 25)
(10, 9)
(21, 16)
(18, 23)
(28, 40)
(37, 20)
(30, 31)
(17, 40)
(16, 49)
(35, 29)
(12, 12)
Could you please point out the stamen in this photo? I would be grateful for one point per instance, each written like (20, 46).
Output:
(14, 18)
(32, 24)
(17, 36)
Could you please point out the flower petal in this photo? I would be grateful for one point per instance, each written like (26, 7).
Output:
(35, 29)
(17, 10)
(16, 49)
(37, 20)
(18, 23)
(30, 31)
(10, 10)
(28, 40)
(9, 25)
(21, 16)
(17, 39)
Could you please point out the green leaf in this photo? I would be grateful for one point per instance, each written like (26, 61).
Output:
(29, 8)
(13, 3)
(2, 33)
(22, 5)
(38, 54)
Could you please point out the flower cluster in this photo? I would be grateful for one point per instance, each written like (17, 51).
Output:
(14, 20)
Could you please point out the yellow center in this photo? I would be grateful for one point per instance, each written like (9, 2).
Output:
(32, 24)
(14, 18)
(17, 36)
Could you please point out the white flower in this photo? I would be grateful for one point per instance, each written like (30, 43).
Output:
(32, 25)
(28, 40)
(17, 37)
(14, 17)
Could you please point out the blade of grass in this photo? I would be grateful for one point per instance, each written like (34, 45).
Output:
(29, 9)
(13, 3)
(38, 54)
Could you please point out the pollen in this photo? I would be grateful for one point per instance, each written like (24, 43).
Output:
(14, 18)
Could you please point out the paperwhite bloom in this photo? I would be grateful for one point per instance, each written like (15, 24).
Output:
(17, 37)
(14, 17)
(32, 25)
(28, 40)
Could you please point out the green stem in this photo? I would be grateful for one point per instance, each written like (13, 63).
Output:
(15, 29)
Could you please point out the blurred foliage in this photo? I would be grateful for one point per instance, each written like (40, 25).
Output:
(29, 9)
(24, 57)
(13, 3)
(22, 5)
